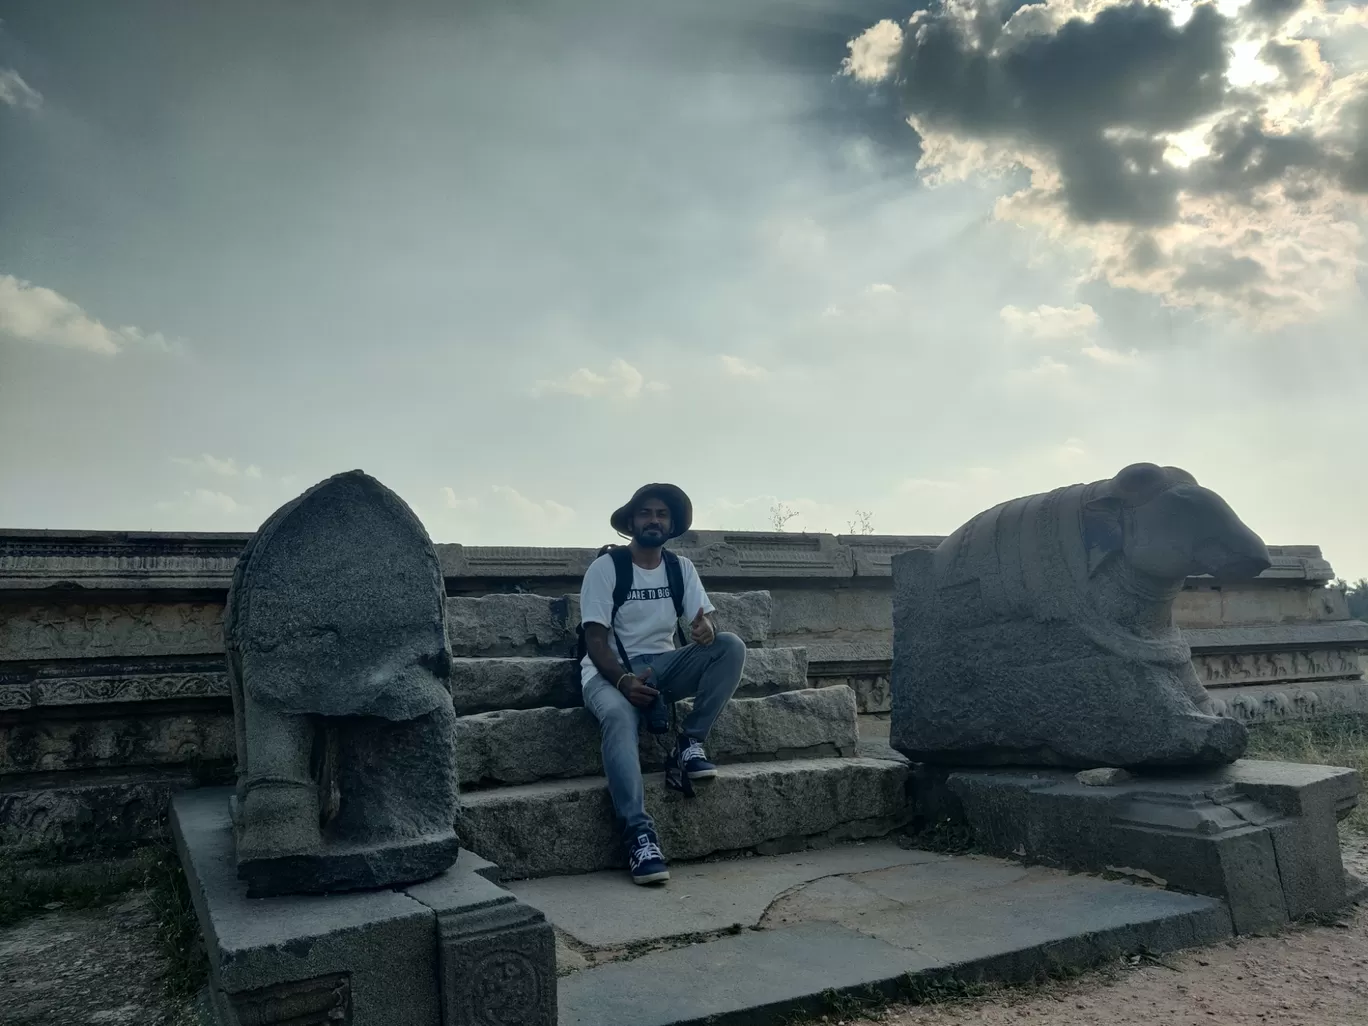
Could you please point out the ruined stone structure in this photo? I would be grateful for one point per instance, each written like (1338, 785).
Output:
(1041, 632)
(117, 704)
(114, 692)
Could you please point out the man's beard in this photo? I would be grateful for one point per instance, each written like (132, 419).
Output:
(650, 538)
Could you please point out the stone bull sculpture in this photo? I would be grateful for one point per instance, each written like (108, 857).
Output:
(338, 662)
(1041, 632)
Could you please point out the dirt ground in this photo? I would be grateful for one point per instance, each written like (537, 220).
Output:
(103, 966)
(1314, 977)
(99, 966)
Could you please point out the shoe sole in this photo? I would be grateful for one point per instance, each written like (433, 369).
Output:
(703, 775)
(651, 879)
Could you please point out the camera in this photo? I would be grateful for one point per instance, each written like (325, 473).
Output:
(658, 716)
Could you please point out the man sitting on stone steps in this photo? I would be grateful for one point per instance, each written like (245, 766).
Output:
(631, 604)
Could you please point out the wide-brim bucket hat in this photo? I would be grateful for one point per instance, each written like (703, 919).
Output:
(681, 509)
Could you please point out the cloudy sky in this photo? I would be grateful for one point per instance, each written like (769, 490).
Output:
(515, 258)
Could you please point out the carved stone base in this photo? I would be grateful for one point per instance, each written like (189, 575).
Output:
(497, 960)
(1259, 835)
(455, 950)
(350, 868)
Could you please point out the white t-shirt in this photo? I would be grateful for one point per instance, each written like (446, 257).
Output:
(646, 622)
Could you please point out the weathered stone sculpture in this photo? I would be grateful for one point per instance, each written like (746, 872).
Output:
(339, 663)
(1041, 632)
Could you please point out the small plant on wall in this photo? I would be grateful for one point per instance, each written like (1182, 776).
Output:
(862, 524)
(780, 515)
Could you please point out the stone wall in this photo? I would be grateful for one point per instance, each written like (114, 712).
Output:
(111, 643)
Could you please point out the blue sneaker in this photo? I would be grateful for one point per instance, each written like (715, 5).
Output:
(690, 757)
(646, 860)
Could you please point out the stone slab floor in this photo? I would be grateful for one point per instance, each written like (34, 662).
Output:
(727, 937)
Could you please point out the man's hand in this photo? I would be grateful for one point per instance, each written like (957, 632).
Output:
(637, 689)
(702, 629)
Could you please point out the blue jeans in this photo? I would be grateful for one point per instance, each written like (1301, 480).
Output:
(708, 673)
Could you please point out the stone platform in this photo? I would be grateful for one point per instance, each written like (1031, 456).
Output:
(1262, 836)
(761, 939)
(456, 950)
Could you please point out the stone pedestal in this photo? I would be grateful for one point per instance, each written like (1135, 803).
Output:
(1259, 835)
(456, 950)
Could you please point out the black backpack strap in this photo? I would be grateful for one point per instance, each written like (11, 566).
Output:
(622, 563)
(674, 574)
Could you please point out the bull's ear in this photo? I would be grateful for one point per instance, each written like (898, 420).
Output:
(1103, 535)
(1138, 483)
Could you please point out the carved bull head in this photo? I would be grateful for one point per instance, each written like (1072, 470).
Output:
(1167, 526)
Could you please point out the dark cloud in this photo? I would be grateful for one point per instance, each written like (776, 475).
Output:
(1272, 12)
(1095, 93)
(1101, 110)
(1125, 180)
(1356, 171)
(1244, 156)
(1354, 174)
(1130, 69)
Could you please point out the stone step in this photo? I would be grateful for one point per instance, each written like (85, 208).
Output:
(777, 940)
(520, 746)
(567, 826)
(539, 625)
(520, 682)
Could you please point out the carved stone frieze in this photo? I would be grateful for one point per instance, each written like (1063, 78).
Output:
(138, 688)
(520, 562)
(31, 632)
(15, 695)
(96, 559)
(1283, 701)
(1230, 668)
(138, 738)
(756, 555)
(26, 691)
(89, 811)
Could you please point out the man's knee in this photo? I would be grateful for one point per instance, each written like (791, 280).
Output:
(730, 646)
